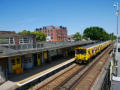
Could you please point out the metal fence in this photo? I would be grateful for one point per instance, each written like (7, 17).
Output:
(45, 45)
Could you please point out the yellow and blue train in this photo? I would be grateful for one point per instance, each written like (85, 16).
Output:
(85, 53)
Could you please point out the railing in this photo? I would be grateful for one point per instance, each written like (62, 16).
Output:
(44, 45)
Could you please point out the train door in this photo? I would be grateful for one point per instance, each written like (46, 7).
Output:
(16, 65)
(88, 54)
(45, 57)
(94, 50)
(38, 59)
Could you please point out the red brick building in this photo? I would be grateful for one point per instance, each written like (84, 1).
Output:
(55, 33)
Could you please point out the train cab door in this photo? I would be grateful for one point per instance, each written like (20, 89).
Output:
(81, 55)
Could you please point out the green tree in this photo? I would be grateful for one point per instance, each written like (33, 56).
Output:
(112, 36)
(84, 37)
(25, 32)
(40, 36)
(77, 36)
(96, 33)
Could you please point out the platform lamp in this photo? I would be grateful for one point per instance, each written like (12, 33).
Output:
(116, 5)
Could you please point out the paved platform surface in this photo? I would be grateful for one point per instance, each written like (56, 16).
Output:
(43, 73)
(17, 80)
(9, 85)
(118, 64)
(116, 79)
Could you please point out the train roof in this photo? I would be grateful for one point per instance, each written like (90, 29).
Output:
(88, 46)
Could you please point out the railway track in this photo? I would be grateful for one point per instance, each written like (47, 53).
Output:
(78, 77)
(87, 79)
(84, 79)
(61, 78)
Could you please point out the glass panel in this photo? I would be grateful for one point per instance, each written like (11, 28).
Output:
(80, 51)
(4, 40)
(13, 61)
(26, 40)
(11, 40)
(18, 61)
(21, 40)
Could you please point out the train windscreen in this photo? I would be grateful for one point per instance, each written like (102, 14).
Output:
(80, 51)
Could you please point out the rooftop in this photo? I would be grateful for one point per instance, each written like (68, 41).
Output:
(8, 35)
(50, 27)
(92, 45)
(13, 50)
(7, 32)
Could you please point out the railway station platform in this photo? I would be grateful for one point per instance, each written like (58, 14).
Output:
(29, 76)
(116, 72)
(16, 59)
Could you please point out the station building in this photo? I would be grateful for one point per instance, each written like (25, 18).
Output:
(55, 33)
(16, 39)
(10, 42)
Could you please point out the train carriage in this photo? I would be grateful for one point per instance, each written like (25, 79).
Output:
(85, 53)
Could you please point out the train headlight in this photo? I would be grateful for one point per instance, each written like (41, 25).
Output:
(84, 58)
(76, 57)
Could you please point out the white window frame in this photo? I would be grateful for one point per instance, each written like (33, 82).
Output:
(13, 41)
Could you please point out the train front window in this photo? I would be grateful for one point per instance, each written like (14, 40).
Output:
(80, 51)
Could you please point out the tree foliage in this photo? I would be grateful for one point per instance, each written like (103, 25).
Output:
(40, 36)
(77, 36)
(25, 32)
(98, 33)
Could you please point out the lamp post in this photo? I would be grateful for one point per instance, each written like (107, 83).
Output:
(117, 13)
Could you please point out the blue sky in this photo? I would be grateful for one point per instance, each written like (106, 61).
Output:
(76, 15)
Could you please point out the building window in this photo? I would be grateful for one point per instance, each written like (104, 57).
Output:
(21, 40)
(24, 40)
(13, 62)
(48, 34)
(51, 37)
(51, 34)
(4, 40)
(11, 40)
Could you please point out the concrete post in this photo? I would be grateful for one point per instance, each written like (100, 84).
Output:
(9, 65)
